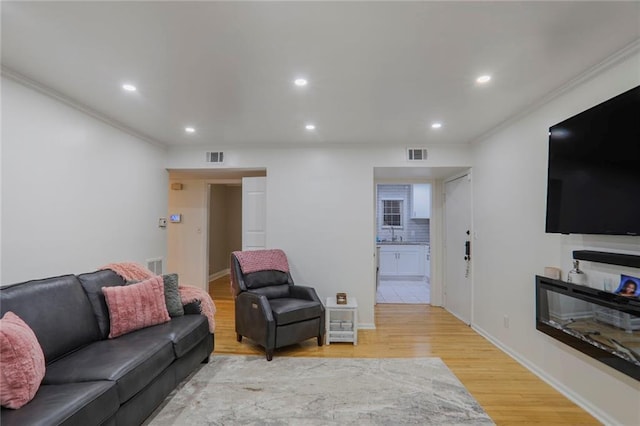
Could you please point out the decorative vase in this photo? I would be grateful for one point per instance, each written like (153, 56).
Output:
(576, 276)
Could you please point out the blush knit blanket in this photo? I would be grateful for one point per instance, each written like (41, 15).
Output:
(130, 271)
(133, 271)
(262, 260)
(190, 294)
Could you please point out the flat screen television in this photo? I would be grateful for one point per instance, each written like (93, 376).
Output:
(593, 184)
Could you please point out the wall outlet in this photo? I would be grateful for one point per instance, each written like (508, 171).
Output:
(162, 222)
(506, 321)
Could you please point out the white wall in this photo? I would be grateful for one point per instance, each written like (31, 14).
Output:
(187, 245)
(509, 187)
(76, 193)
(321, 208)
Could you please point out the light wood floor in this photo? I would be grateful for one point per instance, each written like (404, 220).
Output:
(508, 392)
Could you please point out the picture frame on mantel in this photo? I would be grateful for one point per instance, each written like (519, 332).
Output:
(629, 286)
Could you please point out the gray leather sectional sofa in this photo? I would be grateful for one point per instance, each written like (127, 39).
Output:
(91, 379)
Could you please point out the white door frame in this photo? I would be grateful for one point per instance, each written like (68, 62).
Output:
(194, 231)
(434, 243)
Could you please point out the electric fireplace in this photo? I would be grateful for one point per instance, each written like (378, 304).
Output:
(601, 324)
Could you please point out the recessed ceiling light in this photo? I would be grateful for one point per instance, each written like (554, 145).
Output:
(483, 79)
(189, 129)
(129, 87)
(436, 125)
(310, 126)
(300, 82)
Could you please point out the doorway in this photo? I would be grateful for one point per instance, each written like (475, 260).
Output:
(236, 221)
(403, 243)
(225, 226)
(198, 247)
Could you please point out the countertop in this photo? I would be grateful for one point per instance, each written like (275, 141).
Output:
(401, 243)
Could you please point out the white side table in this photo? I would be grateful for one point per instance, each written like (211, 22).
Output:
(341, 321)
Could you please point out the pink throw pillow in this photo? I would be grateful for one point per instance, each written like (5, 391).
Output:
(22, 365)
(136, 306)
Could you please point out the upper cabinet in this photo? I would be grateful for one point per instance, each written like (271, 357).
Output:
(421, 201)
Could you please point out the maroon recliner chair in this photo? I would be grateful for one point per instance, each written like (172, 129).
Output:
(270, 309)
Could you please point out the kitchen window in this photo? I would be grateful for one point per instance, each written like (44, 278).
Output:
(392, 213)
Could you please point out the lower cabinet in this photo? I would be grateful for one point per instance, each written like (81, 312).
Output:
(402, 260)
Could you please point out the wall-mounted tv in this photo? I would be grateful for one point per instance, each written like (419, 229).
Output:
(593, 184)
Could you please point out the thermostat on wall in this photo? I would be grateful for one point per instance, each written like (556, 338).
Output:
(175, 218)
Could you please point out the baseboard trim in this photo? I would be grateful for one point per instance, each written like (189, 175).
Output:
(600, 415)
(219, 274)
(366, 326)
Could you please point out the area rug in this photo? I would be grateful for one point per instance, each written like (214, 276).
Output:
(248, 390)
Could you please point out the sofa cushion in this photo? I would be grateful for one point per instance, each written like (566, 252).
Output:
(92, 283)
(136, 306)
(82, 403)
(184, 332)
(287, 311)
(172, 295)
(21, 362)
(132, 361)
(57, 310)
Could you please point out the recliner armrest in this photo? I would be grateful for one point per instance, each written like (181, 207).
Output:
(247, 300)
(304, 292)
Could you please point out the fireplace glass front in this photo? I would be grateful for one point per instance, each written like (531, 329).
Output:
(600, 324)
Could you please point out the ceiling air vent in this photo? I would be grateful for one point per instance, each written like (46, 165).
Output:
(155, 265)
(416, 154)
(215, 157)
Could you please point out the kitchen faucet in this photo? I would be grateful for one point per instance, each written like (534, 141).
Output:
(393, 237)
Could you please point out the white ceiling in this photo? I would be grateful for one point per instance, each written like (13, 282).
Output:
(379, 72)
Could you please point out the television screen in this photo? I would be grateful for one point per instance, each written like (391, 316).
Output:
(593, 184)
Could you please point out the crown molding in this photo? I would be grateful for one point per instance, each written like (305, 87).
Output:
(621, 55)
(75, 104)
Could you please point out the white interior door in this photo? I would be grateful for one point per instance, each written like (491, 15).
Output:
(254, 213)
(457, 280)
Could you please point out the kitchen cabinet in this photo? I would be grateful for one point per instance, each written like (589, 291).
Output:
(402, 260)
(420, 201)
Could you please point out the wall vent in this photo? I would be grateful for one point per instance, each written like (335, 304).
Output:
(155, 265)
(216, 157)
(416, 154)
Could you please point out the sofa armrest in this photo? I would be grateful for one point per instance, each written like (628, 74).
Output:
(193, 308)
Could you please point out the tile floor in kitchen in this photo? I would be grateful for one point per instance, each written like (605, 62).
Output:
(403, 291)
